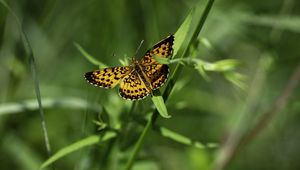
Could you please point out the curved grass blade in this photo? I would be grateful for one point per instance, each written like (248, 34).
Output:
(32, 66)
(89, 57)
(91, 140)
(184, 140)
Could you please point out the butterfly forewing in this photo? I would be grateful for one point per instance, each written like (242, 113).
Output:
(162, 49)
(108, 77)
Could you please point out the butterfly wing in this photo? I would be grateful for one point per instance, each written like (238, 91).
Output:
(108, 77)
(157, 73)
(164, 49)
(133, 88)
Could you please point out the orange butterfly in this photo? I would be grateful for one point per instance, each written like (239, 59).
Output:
(140, 78)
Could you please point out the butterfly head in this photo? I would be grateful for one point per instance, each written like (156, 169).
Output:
(134, 61)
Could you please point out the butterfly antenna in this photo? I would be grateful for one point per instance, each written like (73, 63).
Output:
(139, 47)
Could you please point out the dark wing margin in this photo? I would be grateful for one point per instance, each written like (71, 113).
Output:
(164, 49)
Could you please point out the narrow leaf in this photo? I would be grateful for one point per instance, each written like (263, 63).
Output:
(89, 57)
(199, 66)
(236, 79)
(182, 31)
(184, 140)
(162, 60)
(206, 43)
(222, 65)
(76, 146)
(159, 103)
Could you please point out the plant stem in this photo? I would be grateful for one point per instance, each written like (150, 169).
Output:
(138, 145)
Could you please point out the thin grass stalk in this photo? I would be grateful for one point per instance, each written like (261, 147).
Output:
(32, 64)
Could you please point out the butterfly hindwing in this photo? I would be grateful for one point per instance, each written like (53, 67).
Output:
(133, 88)
(108, 77)
(157, 74)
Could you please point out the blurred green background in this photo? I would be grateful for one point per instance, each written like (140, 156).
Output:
(262, 35)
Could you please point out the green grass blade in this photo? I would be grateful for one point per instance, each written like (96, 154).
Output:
(182, 31)
(183, 41)
(76, 146)
(89, 57)
(32, 66)
(179, 39)
(180, 35)
(184, 140)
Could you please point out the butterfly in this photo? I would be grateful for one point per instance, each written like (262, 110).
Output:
(140, 78)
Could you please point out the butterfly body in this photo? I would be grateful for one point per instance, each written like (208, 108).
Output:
(140, 78)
